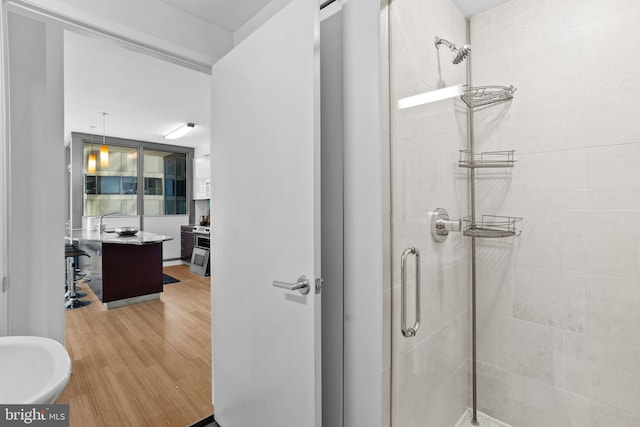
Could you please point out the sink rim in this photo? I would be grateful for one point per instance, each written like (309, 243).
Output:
(19, 349)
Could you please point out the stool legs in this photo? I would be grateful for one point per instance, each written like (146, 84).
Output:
(73, 300)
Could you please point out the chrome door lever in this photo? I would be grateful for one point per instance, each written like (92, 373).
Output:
(301, 285)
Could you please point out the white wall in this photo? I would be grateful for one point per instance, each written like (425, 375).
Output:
(363, 205)
(36, 294)
(169, 226)
(560, 335)
(258, 20)
(332, 205)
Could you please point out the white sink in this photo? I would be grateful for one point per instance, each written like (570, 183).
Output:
(33, 370)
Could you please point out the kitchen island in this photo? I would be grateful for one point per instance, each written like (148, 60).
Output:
(123, 269)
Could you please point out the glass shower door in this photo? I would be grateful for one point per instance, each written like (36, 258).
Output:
(429, 369)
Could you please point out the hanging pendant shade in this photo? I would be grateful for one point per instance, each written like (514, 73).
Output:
(104, 156)
(91, 163)
(104, 149)
(91, 158)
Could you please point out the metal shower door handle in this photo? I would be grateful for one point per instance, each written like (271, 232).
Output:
(301, 285)
(409, 332)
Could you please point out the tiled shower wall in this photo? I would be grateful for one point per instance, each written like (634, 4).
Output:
(429, 380)
(559, 306)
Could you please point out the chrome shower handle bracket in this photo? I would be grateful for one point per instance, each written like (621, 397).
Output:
(413, 330)
(441, 225)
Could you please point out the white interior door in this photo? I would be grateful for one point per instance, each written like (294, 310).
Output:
(266, 224)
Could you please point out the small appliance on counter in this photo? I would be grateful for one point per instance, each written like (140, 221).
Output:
(201, 248)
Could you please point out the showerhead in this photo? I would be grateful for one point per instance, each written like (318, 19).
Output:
(461, 53)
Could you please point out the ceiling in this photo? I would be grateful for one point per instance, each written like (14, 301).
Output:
(146, 97)
(228, 14)
(473, 7)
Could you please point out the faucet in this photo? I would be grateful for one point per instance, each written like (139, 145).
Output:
(102, 216)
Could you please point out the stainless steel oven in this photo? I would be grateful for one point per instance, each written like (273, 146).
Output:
(201, 250)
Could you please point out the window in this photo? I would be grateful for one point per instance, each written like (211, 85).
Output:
(165, 178)
(114, 188)
(164, 181)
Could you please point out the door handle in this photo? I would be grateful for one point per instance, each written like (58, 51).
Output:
(409, 332)
(301, 285)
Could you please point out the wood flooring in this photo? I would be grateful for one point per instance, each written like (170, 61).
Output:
(146, 364)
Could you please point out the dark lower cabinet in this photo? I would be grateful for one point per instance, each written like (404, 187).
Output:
(130, 270)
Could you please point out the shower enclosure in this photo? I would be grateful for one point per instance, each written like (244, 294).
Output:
(539, 328)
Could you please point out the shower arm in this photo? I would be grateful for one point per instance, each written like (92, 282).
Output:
(438, 41)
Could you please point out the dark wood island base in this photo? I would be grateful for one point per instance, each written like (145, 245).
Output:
(123, 269)
(130, 271)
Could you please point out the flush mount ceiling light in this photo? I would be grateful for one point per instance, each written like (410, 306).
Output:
(180, 132)
(104, 149)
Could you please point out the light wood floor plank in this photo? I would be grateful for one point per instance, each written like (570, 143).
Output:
(147, 364)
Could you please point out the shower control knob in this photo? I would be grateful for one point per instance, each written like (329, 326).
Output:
(441, 225)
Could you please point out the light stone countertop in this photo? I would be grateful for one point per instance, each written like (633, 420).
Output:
(140, 238)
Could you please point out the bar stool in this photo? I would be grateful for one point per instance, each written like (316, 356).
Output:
(71, 253)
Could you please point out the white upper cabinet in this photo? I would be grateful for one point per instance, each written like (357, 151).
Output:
(201, 178)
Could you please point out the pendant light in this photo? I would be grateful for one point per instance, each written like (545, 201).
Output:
(104, 149)
(91, 159)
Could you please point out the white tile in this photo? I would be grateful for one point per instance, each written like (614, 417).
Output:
(492, 68)
(587, 413)
(550, 67)
(418, 375)
(524, 25)
(487, 339)
(613, 199)
(482, 33)
(603, 371)
(612, 308)
(530, 350)
(494, 391)
(578, 12)
(386, 252)
(549, 297)
(536, 404)
(613, 168)
(450, 401)
(494, 285)
(608, 41)
(386, 329)
(601, 243)
(385, 154)
(386, 398)
(444, 298)
(603, 113)
(532, 124)
(483, 420)
(416, 177)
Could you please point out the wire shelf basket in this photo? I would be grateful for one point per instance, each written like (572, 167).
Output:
(491, 226)
(481, 96)
(487, 159)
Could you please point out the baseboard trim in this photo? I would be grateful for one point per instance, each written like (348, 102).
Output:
(205, 422)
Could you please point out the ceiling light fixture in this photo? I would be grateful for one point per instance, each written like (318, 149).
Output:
(180, 132)
(104, 149)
